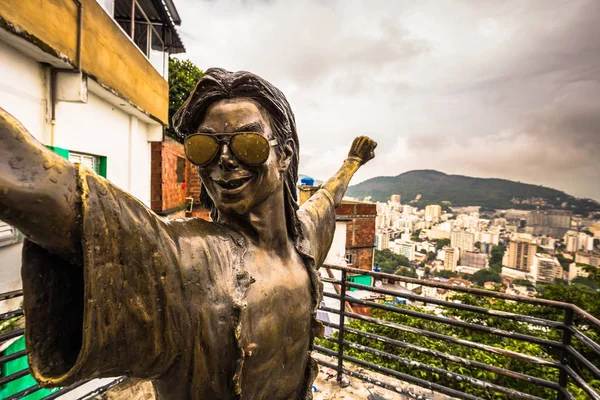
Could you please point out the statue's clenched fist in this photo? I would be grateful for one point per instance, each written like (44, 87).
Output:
(363, 148)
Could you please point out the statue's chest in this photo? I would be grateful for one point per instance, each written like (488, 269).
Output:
(276, 321)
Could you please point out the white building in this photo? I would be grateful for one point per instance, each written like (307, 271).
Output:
(451, 256)
(546, 268)
(86, 90)
(433, 212)
(463, 240)
(405, 248)
(576, 270)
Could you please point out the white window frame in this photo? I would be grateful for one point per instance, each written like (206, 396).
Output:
(89, 160)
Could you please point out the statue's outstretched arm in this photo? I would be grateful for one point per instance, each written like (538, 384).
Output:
(361, 151)
(38, 191)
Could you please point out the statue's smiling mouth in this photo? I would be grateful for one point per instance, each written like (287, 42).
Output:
(232, 184)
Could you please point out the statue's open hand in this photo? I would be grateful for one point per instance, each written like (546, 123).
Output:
(363, 147)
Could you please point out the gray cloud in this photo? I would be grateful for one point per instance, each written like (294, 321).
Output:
(507, 89)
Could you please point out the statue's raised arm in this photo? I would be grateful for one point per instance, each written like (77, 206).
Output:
(38, 191)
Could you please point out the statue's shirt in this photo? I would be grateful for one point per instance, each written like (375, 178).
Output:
(170, 301)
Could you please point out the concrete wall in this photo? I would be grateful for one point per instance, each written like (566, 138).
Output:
(101, 129)
(108, 54)
(95, 127)
(23, 90)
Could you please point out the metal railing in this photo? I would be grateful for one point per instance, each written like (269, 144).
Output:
(15, 333)
(472, 345)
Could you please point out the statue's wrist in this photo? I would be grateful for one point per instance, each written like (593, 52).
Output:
(355, 159)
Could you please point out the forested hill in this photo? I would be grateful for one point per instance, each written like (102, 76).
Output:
(436, 187)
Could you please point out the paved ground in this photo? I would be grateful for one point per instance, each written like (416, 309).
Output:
(328, 389)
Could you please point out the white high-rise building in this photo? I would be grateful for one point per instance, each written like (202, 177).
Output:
(546, 268)
(451, 255)
(570, 241)
(463, 240)
(405, 248)
(433, 212)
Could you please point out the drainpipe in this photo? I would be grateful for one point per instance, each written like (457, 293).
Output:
(79, 32)
(53, 71)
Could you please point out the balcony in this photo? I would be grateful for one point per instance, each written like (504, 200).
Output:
(474, 345)
(151, 25)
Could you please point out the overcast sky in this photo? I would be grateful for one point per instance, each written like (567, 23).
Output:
(506, 89)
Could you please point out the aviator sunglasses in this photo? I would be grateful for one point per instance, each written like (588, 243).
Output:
(251, 148)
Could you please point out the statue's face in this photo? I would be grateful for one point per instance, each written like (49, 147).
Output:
(235, 187)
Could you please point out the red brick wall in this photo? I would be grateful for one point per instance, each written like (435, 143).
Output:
(360, 232)
(166, 192)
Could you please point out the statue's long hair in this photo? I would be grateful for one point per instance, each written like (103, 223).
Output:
(218, 84)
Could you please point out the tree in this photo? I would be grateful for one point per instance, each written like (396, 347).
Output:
(496, 255)
(408, 272)
(183, 75)
(446, 274)
(441, 243)
(580, 280)
(522, 282)
(564, 262)
(431, 256)
(389, 262)
(485, 275)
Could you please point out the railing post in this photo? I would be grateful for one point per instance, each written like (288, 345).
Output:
(341, 331)
(563, 377)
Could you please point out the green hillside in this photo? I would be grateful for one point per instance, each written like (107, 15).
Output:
(436, 187)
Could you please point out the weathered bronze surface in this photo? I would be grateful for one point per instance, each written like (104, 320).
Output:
(205, 310)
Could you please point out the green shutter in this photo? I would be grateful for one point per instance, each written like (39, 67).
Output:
(18, 365)
(102, 167)
(64, 153)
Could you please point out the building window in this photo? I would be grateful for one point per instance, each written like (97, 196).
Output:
(8, 234)
(349, 259)
(95, 163)
(180, 169)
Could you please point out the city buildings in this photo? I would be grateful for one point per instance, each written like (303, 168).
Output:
(405, 248)
(521, 254)
(463, 240)
(546, 269)
(451, 256)
(433, 213)
(475, 260)
(549, 222)
(576, 270)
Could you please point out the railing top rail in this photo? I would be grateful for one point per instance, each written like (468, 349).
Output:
(448, 286)
(11, 295)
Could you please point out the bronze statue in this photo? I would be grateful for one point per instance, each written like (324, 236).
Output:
(205, 310)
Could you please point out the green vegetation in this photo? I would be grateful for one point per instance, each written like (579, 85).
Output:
(389, 261)
(585, 282)
(564, 262)
(445, 274)
(485, 275)
(183, 75)
(523, 282)
(436, 187)
(408, 272)
(496, 258)
(440, 243)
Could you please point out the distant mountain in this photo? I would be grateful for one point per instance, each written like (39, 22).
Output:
(435, 187)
